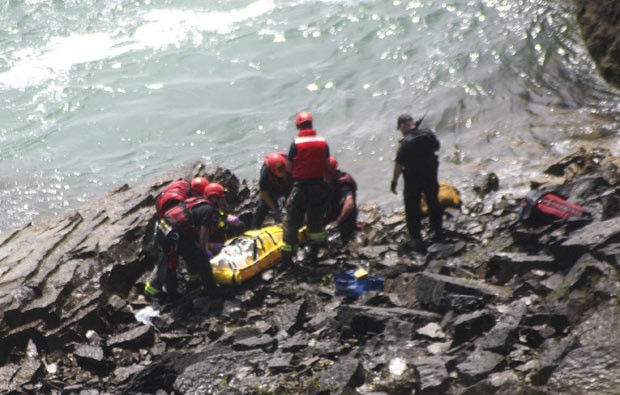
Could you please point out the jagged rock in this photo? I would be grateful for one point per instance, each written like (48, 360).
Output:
(431, 330)
(297, 342)
(599, 27)
(468, 326)
(503, 266)
(15, 376)
(290, 316)
(549, 359)
(341, 378)
(591, 237)
(586, 271)
(445, 250)
(140, 337)
(279, 365)
(576, 372)
(441, 293)
(501, 383)
(432, 375)
(91, 357)
(367, 319)
(479, 364)
(218, 368)
(504, 333)
(264, 342)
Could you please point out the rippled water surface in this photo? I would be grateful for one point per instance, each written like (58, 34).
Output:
(96, 94)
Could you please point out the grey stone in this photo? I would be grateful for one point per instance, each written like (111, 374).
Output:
(139, 337)
(432, 375)
(479, 364)
(341, 378)
(468, 326)
(439, 293)
(504, 266)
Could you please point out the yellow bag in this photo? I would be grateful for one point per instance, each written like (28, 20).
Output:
(245, 256)
(448, 196)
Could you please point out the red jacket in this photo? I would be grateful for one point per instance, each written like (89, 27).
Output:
(309, 154)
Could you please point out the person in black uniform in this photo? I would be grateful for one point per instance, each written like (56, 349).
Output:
(417, 161)
(342, 206)
(274, 183)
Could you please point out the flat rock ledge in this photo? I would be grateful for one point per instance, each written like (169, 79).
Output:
(498, 308)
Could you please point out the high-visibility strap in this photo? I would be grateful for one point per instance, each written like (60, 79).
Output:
(164, 227)
(151, 290)
(289, 247)
(316, 236)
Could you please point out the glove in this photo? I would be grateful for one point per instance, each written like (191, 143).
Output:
(208, 254)
(393, 187)
(232, 220)
(277, 216)
(217, 247)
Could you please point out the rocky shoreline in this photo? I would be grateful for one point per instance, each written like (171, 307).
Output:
(499, 309)
(598, 21)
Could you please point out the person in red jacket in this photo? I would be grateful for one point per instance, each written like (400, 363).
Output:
(308, 161)
(187, 229)
(177, 191)
(342, 206)
(274, 183)
(174, 193)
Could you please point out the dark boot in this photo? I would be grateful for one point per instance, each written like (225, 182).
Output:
(312, 253)
(287, 258)
(415, 244)
(437, 236)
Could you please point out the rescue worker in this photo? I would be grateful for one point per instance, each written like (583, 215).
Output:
(177, 191)
(274, 183)
(173, 194)
(342, 205)
(308, 161)
(187, 229)
(417, 161)
(198, 186)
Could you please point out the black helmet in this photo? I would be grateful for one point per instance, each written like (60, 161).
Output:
(403, 118)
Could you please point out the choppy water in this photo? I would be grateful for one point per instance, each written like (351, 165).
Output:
(94, 94)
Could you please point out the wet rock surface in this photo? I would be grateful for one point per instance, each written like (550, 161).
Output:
(497, 308)
(599, 26)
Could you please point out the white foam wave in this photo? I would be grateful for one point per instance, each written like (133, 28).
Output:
(33, 66)
(161, 28)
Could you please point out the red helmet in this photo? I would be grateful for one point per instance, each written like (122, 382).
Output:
(276, 162)
(302, 117)
(333, 165)
(199, 184)
(214, 189)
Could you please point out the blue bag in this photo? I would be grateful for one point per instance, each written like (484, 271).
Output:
(348, 285)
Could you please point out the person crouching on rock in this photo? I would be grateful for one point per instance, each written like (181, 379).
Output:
(187, 230)
(274, 183)
(342, 206)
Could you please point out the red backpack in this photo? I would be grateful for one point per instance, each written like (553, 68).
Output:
(173, 194)
(547, 207)
(180, 216)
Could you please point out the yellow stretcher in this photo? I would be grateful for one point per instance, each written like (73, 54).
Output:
(243, 257)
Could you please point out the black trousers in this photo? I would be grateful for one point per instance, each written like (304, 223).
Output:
(196, 260)
(415, 186)
(308, 201)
